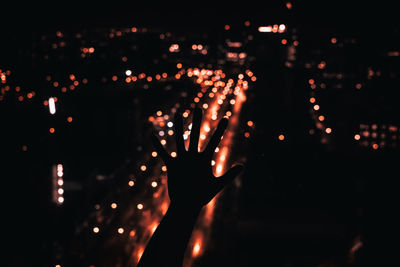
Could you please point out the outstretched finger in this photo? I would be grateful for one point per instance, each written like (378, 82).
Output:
(195, 132)
(216, 137)
(160, 149)
(178, 124)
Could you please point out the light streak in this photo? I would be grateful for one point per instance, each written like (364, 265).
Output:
(52, 105)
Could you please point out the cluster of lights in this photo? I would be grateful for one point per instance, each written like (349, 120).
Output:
(6, 88)
(378, 136)
(86, 51)
(130, 78)
(174, 48)
(317, 115)
(369, 135)
(273, 28)
(58, 184)
(70, 83)
(200, 48)
(218, 96)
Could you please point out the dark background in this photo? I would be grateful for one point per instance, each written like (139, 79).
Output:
(302, 203)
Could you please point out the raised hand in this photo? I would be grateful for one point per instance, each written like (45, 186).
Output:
(191, 185)
(190, 177)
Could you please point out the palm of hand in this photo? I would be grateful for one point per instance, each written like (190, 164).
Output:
(190, 176)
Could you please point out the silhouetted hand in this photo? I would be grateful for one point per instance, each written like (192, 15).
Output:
(191, 185)
(191, 182)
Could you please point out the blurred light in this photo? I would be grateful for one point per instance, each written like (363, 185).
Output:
(316, 107)
(143, 168)
(52, 130)
(113, 206)
(120, 230)
(128, 72)
(154, 154)
(52, 105)
(131, 183)
(132, 233)
(174, 48)
(265, 29)
(219, 170)
(281, 137)
(328, 130)
(357, 137)
(139, 206)
(154, 184)
(196, 249)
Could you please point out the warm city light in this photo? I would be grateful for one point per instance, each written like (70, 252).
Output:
(295, 92)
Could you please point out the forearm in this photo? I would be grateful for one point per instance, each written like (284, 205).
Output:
(168, 243)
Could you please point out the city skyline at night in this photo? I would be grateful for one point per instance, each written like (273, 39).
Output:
(313, 116)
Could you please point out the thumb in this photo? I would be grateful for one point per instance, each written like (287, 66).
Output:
(231, 174)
